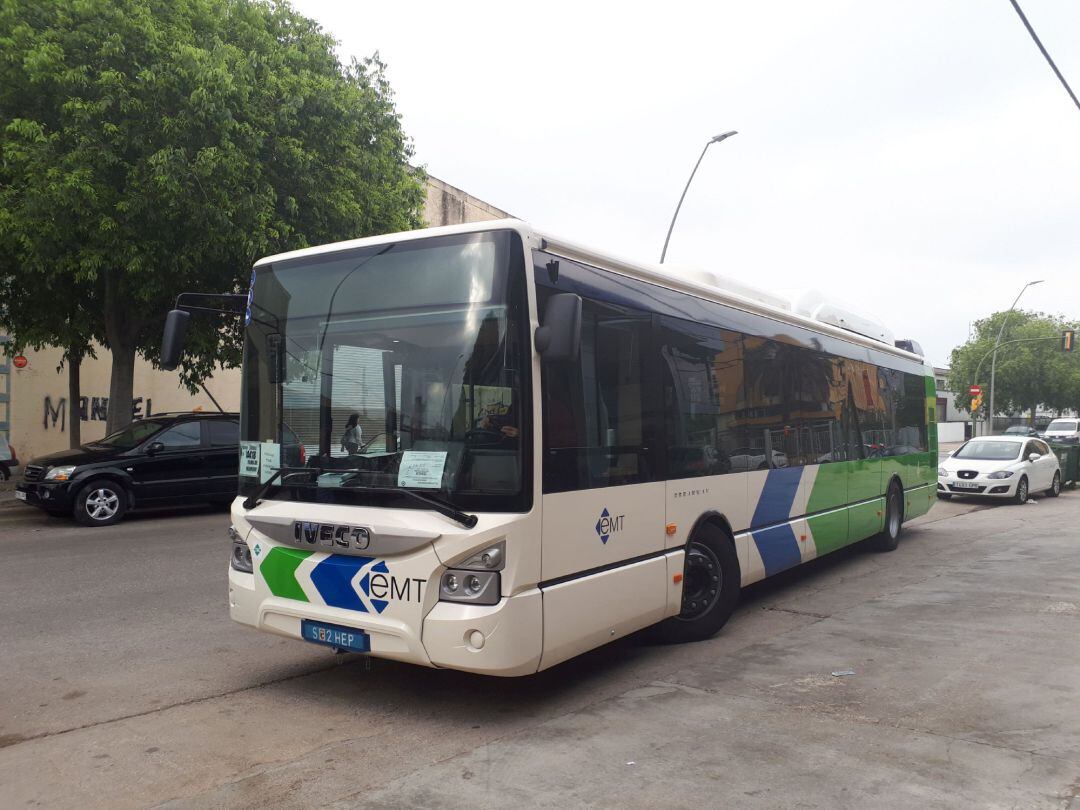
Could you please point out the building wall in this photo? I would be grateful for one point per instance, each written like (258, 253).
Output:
(951, 413)
(37, 415)
(448, 205)
(40, 417)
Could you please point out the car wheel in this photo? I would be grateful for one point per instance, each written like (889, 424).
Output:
(1055, 488)
(889, 538)
(100, 503)
(5, 473)
(711, 584)
(944, 495)
(1021, 494)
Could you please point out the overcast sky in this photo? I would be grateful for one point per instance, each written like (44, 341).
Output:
(918, 159)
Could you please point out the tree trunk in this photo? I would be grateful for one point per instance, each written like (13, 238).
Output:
(121, 332)
(74, 393)
(1033, 415)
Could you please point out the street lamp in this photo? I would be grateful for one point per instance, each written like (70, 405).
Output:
(993, 358)
(715, 139)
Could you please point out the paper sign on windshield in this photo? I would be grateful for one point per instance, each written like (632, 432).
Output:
(421, 469)
(271, 460)
(249, 459)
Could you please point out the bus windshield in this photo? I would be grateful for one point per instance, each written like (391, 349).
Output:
(400, 366)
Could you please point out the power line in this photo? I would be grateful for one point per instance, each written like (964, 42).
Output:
(1050, 61)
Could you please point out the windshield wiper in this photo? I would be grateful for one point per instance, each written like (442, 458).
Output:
(253, 500)
(438, 504)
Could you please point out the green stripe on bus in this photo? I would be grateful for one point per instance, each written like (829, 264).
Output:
(830, 487)
(830, 530)
(279, 572)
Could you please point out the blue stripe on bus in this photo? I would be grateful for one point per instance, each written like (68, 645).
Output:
(778, 548)
(333, 580)
(777, 496)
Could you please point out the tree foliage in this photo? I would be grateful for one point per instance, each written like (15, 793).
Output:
(1030, 372)
(151, 147)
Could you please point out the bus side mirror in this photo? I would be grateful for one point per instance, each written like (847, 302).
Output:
(172, 342)
(559, 335)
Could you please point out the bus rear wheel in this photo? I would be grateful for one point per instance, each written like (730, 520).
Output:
(711, 583)
(889, 538)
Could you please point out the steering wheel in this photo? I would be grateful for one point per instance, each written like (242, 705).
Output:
(486, 436)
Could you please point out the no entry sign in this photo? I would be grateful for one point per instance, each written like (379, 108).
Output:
(975, 390)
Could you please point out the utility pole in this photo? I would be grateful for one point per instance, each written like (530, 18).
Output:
(671, 227)
(993, 359)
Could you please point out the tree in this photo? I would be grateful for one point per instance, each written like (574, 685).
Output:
(1030, 372)
(42, 306)
(170, 143)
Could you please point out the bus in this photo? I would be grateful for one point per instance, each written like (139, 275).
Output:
(484, 448)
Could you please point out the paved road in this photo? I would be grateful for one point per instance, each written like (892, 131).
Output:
(122, 683)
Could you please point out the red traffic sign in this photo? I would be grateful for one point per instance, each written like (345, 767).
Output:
(975, 390)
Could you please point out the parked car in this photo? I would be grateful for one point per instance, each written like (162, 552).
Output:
(1001, 467)
(1063, 430)
(165, 459)
(1021, 430)
(8, 459)
(745, 459)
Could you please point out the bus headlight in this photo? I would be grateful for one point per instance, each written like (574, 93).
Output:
(470, 587)
(241, 554)
(492, 558)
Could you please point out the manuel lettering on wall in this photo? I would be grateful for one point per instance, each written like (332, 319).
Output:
(91, 409)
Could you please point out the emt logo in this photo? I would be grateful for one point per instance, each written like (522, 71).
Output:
(608, 524)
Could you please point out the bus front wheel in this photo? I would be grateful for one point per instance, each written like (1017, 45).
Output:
(711, 583)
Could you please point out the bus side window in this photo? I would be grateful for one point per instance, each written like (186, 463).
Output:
(593, 410)
(703, 383)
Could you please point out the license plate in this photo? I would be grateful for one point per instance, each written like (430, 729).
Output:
(20, 496)
(966, 485)
(334, 635)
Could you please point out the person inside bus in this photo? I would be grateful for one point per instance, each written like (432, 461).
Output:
(352, 438)
(502, 419)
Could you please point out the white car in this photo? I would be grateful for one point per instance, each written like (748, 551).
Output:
(745, 459)
(1000, 467)
(1063, 430)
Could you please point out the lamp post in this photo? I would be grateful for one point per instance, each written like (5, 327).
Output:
(715, 139)
(993, 357)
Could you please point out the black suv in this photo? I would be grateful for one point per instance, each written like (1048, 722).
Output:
(165, 459)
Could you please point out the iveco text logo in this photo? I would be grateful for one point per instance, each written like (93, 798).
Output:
(330, 535)
(608, 524)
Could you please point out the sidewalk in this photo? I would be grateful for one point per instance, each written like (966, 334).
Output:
(7, 494)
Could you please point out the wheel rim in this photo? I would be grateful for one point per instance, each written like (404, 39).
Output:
(894, 514)
(703, 580)
(102, 504)
(1021, 490)
(1057, 483)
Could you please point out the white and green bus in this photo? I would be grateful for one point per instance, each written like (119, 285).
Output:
(485, 448)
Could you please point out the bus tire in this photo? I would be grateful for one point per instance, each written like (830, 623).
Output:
(711, 584)
(889, 538)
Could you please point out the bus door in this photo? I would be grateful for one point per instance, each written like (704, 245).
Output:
(603, 570)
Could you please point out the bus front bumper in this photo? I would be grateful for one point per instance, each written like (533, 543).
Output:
(503, 639)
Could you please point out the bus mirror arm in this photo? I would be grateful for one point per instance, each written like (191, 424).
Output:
(559, 335)
(176, 322)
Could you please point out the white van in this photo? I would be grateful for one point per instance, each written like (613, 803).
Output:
(1063, 430)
